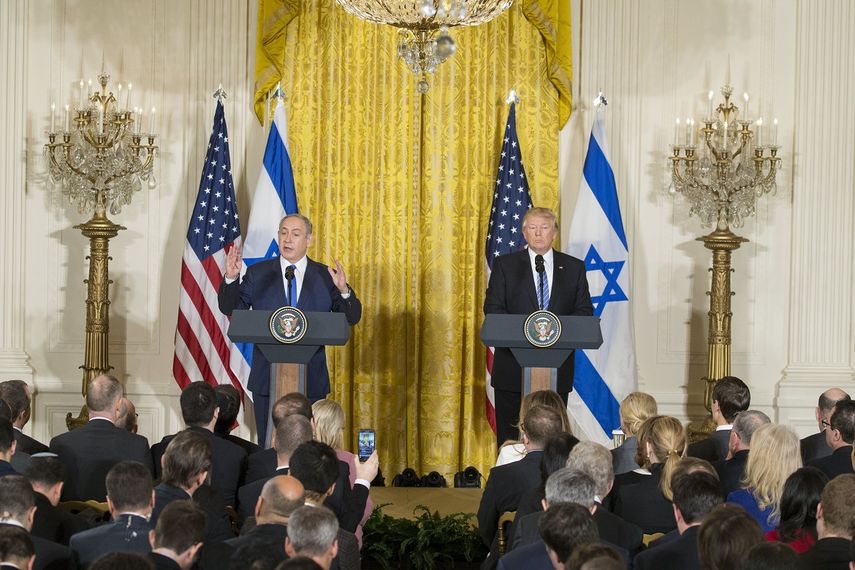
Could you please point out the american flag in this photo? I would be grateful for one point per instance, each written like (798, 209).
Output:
(202, 349)
(511, 199)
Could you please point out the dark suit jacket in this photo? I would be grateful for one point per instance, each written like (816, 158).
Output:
(53, 523)
(828, 554)
(247, 445)
(128, 533)
(731, 471)
(28, 444)
(713, 448)
(644, 505)
(90, 451)
(261, 465)
(249, 493)
(207, 498)
(534, 557)
(813, 447)
(511, 290)
(505, 485)
(162, 562)
(623, 457)
(838, 463)
(266, 536)
(6, 469)
(228, 462)
(263, 288)
(50, 555)
(679, 553)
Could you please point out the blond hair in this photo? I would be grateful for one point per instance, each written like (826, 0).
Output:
(329, 423)
(667, 440)
(775, 454)
(540, 212)
(634, 409)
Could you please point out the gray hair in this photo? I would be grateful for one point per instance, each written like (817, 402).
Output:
(306, 221)
(312, 530)
(595, 461)
(747, 422)
(568, 486)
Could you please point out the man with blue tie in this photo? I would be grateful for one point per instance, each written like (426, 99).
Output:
(292, 279)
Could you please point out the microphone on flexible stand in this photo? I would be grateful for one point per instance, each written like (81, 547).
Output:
(289, 276)
(541, 270)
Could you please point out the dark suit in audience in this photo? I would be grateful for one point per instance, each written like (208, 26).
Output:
(267, 536)
(89, 452)
(732, 471)
(814, 447)
(50, 555)
(128, 533)
(206, 497)
(27, 444)
(643, 504)
(162, 562)
(505, 486)
(247, 445)
(838, 463)
(623, 457)
(55, 524)
(261, 465)
(534, 557)
(249, 493)
(714, 448)
(682, 553)
(6, 469)
(826, 554)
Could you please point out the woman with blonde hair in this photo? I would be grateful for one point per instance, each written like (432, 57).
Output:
(634, 409)
(775, 454)
(329, 429)
(515, 450)
(643, 496)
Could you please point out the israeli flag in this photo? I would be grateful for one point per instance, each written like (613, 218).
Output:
(605, 376)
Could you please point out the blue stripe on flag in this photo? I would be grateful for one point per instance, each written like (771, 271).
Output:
(590, 386)
(277, 163)
(598, 173)
(245, 349)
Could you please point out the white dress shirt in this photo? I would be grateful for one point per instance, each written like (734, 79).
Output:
(547, 269)
(299, 274)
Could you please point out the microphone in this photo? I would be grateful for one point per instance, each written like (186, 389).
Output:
(289, 273)
(538, 263)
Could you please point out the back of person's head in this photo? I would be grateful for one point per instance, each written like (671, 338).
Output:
(726, 536)
(565, 527)
(289, 404)
(747, 422)
(103, 393)
(329, 423)
(198, 402)
(802, 493)
(45, 470)
(843, 420)
(732, 396)
(16, 393)
(634, 409)
(838, 506)
(694, 465)
(16, 546)
(696, 494)
(829, 398)
(228, 400)
(595, 461)
(555, 453)
(569, 486)
(594, 556)
(250, 557)
(775, 454)
(315, 465)
(667, 440)
(16, 498)
(549, 399)
(292, 431)
(770, 556)
(122, 561)
(181, 525)
(281, 496)
(127, 418)
(540, 424)
(299, 563)
(7, 435)
(129, 486)
(312, 531)
(187, 456)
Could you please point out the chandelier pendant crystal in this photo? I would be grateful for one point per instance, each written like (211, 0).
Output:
(424, 41)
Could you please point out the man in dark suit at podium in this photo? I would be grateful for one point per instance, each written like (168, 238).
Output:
(291, 279)
(515, 288)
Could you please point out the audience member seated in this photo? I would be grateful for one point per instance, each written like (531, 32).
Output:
(17, 506)
(774, 456)
(18, 460)
(726, 536)
(46, 475)
(770, 556)
(313, 532)
(646, 503)
(262, 464)
(315, 465)
(16, 548)
(130, 498)
(731, 471)
(730, 396)
(90, 451)
(199, 410)
(839, 437)
(594, 556)
(814, 446)
(16, 393)
(299, 563)
(562, 528)
(506, 484)
(634, 409)
(177, 536)
(7, 447)
(555, 454)
(695, 495)
(801, 496)
(127, 419)
(510, 450)
(123, 561)
(280, 497)
(228, 400)
(289, 433)
(835, 523)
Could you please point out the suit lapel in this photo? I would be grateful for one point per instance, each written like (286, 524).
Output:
(277, 278)
(309, 280)
(559, 275)
(528, 278)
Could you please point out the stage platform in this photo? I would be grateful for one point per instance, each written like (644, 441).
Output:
(403, 500)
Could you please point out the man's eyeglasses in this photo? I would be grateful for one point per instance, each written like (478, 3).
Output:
(825, 423)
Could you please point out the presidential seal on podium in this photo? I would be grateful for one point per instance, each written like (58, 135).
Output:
(542, 329)
(288, 324)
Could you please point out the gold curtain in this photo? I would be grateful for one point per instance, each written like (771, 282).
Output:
(399, 188)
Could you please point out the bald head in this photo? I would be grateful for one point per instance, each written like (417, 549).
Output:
(744, 426)
(280, 497)
(827, 401)
(103, 394)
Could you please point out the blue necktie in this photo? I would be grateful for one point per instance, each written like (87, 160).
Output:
(292, 287)
(544, 292)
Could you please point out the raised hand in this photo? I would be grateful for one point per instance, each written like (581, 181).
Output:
(368, 470)
(338, 277)
(233, 263)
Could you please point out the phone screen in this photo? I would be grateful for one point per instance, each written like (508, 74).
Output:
(365, 444)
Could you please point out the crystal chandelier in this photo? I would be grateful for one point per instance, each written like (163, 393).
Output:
(103, 158)
(724, 173)
(423, 38)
